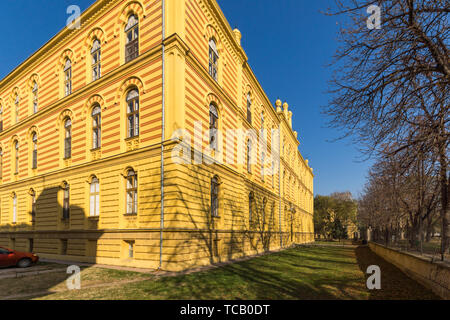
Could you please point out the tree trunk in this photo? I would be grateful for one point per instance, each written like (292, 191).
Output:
(429, 228)
(445, 214)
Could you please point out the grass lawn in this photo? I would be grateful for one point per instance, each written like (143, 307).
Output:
(298, 273)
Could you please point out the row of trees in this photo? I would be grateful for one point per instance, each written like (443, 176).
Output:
(401, 198)
(390, 93)
(334, 215)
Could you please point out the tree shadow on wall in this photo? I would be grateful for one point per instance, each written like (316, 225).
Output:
(212, 240)
(48, 233)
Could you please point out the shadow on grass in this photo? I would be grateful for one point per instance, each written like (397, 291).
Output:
(295, 274)
(395, 285)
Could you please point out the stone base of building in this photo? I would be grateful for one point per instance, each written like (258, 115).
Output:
(181, 249)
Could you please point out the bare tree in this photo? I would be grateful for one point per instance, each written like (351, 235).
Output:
(402, 191)
(391, 85)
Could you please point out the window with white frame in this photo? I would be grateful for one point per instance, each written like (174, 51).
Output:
(213, 59)
(133, 113)
(132, 192)
(96, 60)
(16, 103)
(35, 97)
(67, 138)
(132, 38)
(96, 127)
(67, 77)
(213, 126)
(249, 108)
(14, 208)
(94, 197)
(34, 141)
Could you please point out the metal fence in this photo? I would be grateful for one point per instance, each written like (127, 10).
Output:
(428, 249)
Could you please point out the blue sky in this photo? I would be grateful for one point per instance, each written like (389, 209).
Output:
(288, 42)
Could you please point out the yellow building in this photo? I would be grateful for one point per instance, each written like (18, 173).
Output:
(106, 152)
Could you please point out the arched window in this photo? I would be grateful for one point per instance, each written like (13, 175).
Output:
(16, 103)
(96, 60)
(251, 200)
(215, 197)
(96, 127)
(33, 205)
(67, 138)
(35, 150)
(68, 77)
(213, 59)
(94, 198)
(66, 201)
(133, 113)
(213, 126)
(132, 195)
(16, 157)
(264, 210)
(249, 108)
(249, 155)
(35, 97)
(132, 38)
(14, 199)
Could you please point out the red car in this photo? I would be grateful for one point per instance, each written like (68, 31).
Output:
(10, 257)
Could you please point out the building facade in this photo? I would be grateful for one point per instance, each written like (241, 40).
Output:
(113, 139)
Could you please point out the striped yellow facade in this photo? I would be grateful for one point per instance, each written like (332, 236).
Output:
(171, 72)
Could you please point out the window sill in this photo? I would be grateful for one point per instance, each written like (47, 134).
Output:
(130, 214)
(132, 138)
(94, 218)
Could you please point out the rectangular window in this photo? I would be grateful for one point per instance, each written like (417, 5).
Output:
(214, 197)
(67, 147)
(68, 82)
(91, 248)
(66, 205)
(33, 208)
(34, 165)
(30, 245)
(132, 45)
(130, 249)
(64, 247)
(249, 110)
(14, 209)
